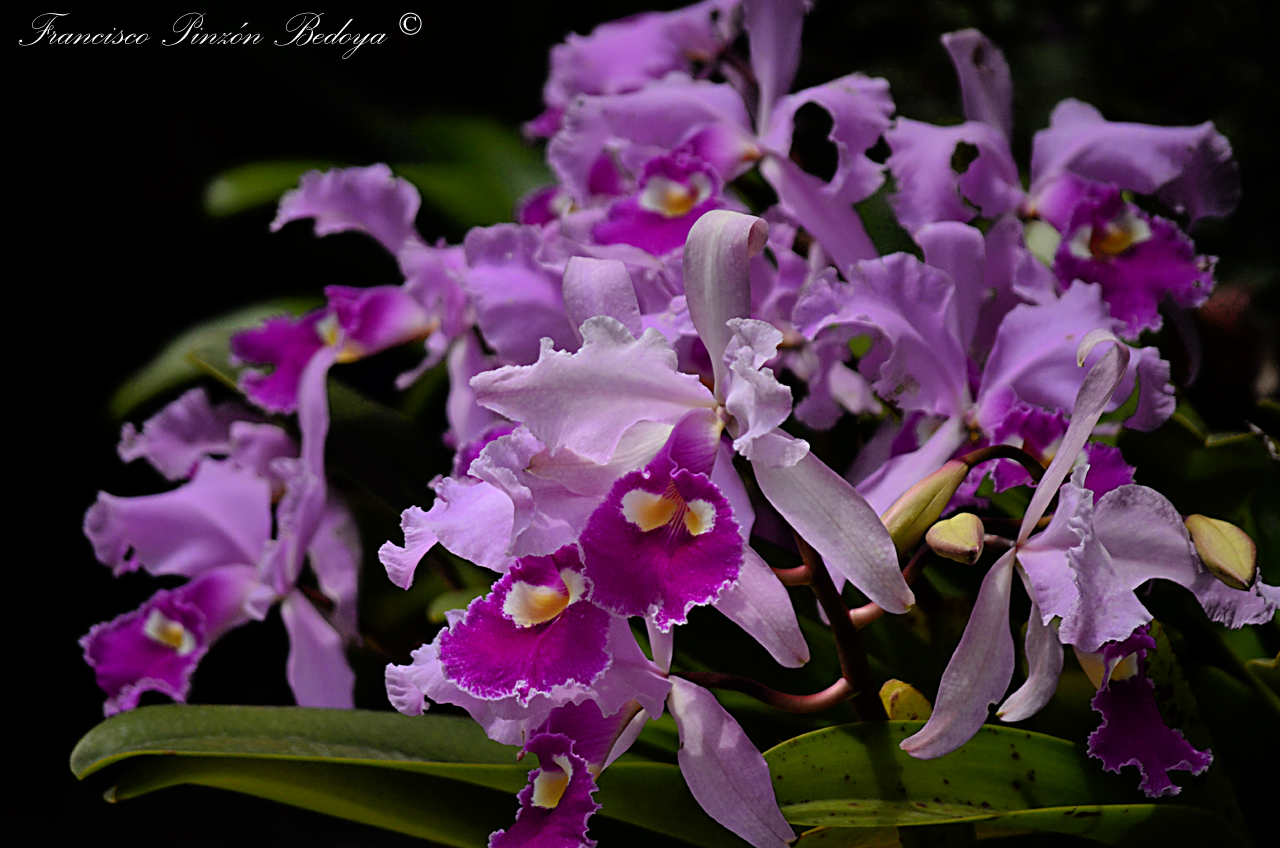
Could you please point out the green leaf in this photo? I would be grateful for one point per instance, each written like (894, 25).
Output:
(1131, 824)
(857, 775)
(446, 601)
(433, 776)
(445, 811)
(354, 736)
(475, 169)
(203, 350)
(256, 184)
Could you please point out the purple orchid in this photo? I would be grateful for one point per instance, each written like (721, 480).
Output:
(1081, 573)
(924, 322)
(1079, 167)
(216, 529)
(622, 56)
(715, 123)
(357, 323)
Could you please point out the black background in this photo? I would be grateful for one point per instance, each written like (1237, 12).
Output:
(111, 254)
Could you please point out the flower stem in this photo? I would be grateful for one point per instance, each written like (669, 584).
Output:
(817, 702)
(853, 654)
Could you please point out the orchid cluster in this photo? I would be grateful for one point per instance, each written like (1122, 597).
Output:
(627, 365)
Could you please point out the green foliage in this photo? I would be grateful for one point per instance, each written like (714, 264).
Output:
(434, 776)
(202, 351)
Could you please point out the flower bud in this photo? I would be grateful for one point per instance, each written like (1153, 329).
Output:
(919, 507)
(903, 702)
(1225, 549)
(958, 538)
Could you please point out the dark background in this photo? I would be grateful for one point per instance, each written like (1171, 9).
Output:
(113, 254)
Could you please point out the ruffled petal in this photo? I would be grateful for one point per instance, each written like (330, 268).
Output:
(1133, 733)
(370, 200)
(1189, 168)
(587, 400)
(221, 517)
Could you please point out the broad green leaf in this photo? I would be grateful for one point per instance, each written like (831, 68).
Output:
(857, 775)
(202, 350)
(849, 837)
(446, 601)
(445, 811)
(472, 195)
(1131, 824)
(354, 736)
(256, 184)
(487, 143)
(474, 169)
(1121, 824)
(370, 767)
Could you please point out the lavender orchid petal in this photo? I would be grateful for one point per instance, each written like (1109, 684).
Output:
(758, 603)
(600, 287)
(615, 381)
(840, 525)
(1094, 395)
(726, 774)
(401, 562)
(317, 668)
(892, 479)
(960, 251)
(334, 556)
(717, 279)
(986, 85)
(832, 220)
(369, 200)
(175, 439)
(1190, 168)
(468, 420)
(408, 687)
(930, 190)
(626, 55)
(773, 29)
(1044, 658)
(221, 517)
(978, 673)
(756, 400)
(651, 122)
(517, 300)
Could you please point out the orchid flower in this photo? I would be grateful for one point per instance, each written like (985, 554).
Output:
(1080, 572)
(216, 530)
(1079, 167)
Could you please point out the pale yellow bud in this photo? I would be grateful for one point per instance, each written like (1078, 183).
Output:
(903, 702)
(919, 507)
(958, 538)
(1225, 549)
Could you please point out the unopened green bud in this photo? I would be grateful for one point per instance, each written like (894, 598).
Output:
(903, 702)
(919, 507)
(958, 538)
(1225, 549)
